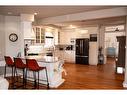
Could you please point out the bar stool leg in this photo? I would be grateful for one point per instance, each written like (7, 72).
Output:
(5, 71)
(16, 74)
(38, 79)
(35, 83)
(15, 77)
(25, 78)
(47, 79)
(12, 78)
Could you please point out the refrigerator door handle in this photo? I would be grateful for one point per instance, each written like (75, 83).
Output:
(80, 56)
(79, 47)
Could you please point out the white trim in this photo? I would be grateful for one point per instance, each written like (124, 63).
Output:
(124, 84)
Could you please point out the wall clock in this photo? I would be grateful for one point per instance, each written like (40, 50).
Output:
(13, 37)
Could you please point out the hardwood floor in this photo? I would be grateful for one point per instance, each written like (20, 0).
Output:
(91, 77)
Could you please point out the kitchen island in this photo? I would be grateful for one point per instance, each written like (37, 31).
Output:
(54, 69)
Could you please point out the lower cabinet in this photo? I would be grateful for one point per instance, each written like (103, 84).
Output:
(69, 56)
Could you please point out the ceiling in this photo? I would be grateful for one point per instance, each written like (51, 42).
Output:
(93, 22)
(48, 11)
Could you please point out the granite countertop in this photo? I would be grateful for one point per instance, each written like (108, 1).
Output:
(40, 58)
(46, 59)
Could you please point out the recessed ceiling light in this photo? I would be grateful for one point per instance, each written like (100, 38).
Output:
(9, 13)
(72, 26)
(84, 31)
(35, 13)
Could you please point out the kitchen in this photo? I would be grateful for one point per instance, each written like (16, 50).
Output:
(54, 40)
(58, 45)
(44, 40)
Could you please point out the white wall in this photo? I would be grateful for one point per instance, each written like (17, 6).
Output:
(93, 53)
(12, 25)
(2, 36)
(67, 34)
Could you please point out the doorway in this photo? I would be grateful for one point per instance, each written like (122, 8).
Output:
(111, 43)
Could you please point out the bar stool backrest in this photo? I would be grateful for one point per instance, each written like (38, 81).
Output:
(32, 64)
(8, 60)
(19, 63)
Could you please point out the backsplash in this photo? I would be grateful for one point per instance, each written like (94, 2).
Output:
(65, 47)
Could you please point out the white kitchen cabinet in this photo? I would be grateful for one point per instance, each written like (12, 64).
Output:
(69, 56)
(56, 37)
(59, 53)
(66, 55)
(65, 37)
(39, 34)
(42, 32)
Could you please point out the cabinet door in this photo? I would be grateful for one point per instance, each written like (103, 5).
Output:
(40, 34)
(37, 35)
(70, 56)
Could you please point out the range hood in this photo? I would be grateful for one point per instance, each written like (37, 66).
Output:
(29, 33)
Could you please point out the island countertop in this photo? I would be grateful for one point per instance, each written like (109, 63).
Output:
(53, 65)
(54, 69)
(46, 59)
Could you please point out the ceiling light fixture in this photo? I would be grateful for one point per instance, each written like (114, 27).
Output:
(72, 26)
(84, 31)
(9, 13)
(35, 13)
(117, 29)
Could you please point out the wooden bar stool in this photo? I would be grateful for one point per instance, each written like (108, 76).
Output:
(32, 65)
(9, 63)
(21, 66)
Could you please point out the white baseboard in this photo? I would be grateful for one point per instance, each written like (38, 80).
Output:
(125, 84)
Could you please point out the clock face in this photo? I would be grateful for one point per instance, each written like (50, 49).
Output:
(13, 37)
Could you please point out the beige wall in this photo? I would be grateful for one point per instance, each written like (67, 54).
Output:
(12, 25)
(2, 36)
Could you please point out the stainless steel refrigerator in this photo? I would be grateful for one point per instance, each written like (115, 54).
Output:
(82, 51)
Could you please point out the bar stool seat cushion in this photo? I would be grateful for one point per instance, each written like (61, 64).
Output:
(21, 66)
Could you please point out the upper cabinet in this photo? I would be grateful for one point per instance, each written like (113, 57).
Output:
(44, 34)
(39, 34)
(56, 37)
